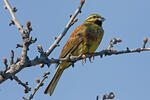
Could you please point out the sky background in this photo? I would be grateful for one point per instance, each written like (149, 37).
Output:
(126, 75)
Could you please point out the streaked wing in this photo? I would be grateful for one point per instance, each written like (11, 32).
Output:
(73, 42)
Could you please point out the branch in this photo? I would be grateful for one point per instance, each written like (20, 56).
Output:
(14, 20)
(27, 89)
(69, 24)
(73, 59)
(107, 52)
(6, 65)
(101, 53)
(24, 61)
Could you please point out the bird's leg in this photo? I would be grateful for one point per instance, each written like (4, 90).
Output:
(90, 56)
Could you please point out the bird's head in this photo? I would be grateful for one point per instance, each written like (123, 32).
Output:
(95, 18)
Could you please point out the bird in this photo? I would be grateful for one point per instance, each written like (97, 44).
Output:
(85, 39)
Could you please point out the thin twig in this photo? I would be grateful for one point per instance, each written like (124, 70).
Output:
(27, 89)
(103, 52)
(73, 59)
(72, 20)
(39, 85)
(112, 42)
(12, 12)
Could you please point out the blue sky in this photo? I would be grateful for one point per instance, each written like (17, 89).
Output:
(125, 75)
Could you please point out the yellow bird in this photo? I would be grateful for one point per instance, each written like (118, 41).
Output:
(85, 39)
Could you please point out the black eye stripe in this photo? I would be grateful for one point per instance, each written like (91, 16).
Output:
(95, 17)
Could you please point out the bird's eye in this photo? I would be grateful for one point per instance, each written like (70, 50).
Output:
(94, 16)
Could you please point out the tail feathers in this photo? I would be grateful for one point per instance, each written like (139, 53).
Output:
(50, 88)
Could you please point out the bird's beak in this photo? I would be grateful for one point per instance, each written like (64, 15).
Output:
(102, 19)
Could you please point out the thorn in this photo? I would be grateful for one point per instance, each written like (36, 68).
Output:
(55, 38)
(42, 84)
(46, 73)
(14, 9)
(57, 45)
(18, 59)
(11, 23)
(27, 83)
(25, 91)
(19, 45)
(5, 7)
(128, 49)
(33, 41)
(70, 16)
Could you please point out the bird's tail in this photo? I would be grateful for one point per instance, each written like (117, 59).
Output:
(51, 86)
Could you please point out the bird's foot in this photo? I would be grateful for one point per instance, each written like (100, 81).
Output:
(84, 58)
(91, 55)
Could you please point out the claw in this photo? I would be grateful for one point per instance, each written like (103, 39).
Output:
(82, 61)
(84, 57)
(101, 55)
(92, 55)
(72, 65)
(90, 58)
